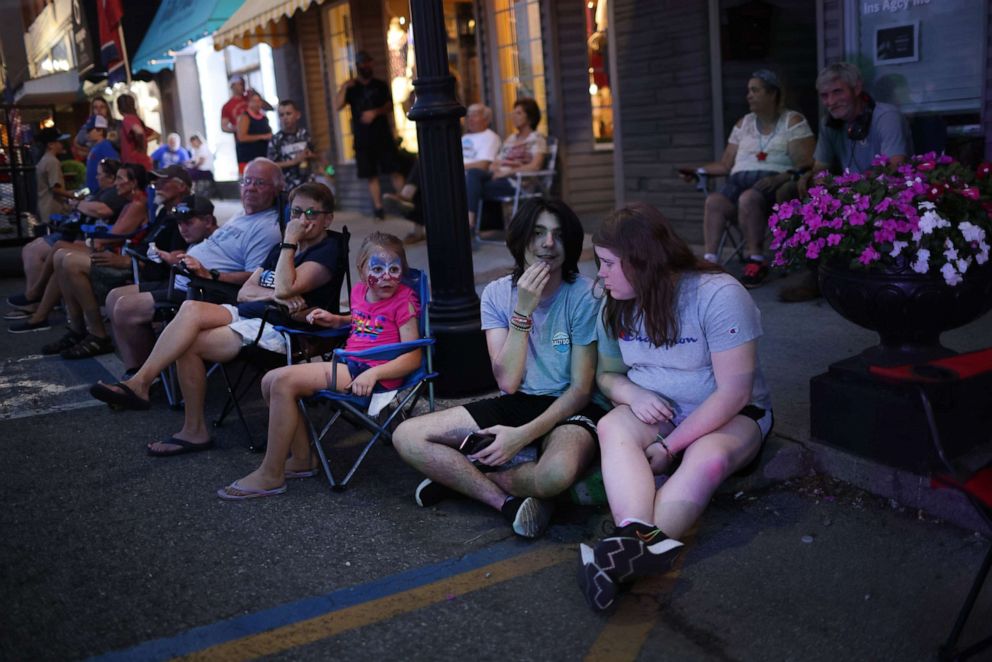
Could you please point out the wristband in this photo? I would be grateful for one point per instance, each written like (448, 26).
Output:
(660, 439)
(283, 246)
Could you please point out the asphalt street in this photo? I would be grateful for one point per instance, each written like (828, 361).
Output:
(106, 552)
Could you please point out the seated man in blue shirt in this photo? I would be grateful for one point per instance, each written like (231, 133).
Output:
(171, 153)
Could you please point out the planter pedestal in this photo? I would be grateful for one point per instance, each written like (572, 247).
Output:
(860, 414)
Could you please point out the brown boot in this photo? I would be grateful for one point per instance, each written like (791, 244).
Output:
(807, 289)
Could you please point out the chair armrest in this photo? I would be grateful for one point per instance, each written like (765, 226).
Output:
(384, 352)
(315, 332)
(227, 291)
(135, 254)
(96, 231)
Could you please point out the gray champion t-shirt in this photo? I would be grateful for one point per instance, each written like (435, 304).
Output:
(716, 314)
(566, 319)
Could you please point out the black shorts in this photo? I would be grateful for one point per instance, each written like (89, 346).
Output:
(373, 161)
(519, 409)
(160, 292)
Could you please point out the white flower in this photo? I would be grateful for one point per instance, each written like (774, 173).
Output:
(951, 277)
(897, 247)
(963, 263)
(983, 253)
(949, 251)
(931, 220)
(921, 265)
(971, 232)
(925, 205)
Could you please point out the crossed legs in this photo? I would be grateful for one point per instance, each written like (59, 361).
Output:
(131, 313)
(675, 506)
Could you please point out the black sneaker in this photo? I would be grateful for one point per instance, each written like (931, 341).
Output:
(755, 273)
(70, 339)
(529, 516)
(633, 551)
(28, 326)
(429, 493)
(21, 302)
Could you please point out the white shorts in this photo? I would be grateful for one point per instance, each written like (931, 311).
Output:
(248, 327)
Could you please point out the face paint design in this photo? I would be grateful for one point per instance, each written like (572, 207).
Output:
(383, 271)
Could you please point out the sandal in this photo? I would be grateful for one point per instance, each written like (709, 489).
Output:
(124, 398)
(71, 339)
(89, 346)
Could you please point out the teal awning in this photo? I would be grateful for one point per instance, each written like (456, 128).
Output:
(177, 24)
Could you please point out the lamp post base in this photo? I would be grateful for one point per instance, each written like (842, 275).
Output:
(462, 364)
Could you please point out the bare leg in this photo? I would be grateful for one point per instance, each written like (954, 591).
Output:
(627, 474)
(74, 279)
(705, 465)
(219, 344)
(752, 214)
(281, 388)
(193, 319)
(131, 314)
(33, 257)
(427, 443)
(567, 451)
(375, 191)
(399, 183)
(716, 211)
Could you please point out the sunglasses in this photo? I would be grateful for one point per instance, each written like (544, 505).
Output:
(296, 212)
(183, 212)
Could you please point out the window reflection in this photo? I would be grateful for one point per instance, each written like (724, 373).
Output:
(600, 93)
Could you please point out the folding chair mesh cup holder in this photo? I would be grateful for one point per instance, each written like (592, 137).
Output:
(543, 181)
(355, 407)
(253, 367)
(970, 473)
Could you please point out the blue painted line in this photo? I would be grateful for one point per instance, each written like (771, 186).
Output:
(239, 627)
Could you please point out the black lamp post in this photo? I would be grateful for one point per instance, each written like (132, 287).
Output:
(461, 358)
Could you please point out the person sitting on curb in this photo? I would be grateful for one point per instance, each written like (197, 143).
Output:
(540, 331)
(678, 357)
(379, 295)
(228, 255)
(855, 131)
(294, 273)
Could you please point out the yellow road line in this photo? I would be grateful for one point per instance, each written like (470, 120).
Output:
(338, 622)
(624, 634)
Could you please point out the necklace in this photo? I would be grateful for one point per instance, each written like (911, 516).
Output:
(762, 154)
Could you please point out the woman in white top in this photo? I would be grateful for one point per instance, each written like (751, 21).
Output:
(766, 149)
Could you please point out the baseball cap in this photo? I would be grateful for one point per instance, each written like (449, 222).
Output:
(190, 206)
(173, 171)
(50, 135)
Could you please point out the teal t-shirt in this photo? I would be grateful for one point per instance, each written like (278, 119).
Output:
(566, 319)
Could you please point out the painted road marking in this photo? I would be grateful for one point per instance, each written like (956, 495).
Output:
(295, 624)
(36, 385)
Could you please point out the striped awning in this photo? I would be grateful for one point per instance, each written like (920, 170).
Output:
(260, 22)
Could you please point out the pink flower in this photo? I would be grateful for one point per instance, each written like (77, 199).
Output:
(926, 166)
(970, 192)
(984, 170)
(868, 255)
(833, 239)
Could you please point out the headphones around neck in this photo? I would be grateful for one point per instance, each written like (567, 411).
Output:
(859, 127)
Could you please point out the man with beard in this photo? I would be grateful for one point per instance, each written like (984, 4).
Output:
(375, 146)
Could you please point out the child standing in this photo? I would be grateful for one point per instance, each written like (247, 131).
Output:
(383, 311)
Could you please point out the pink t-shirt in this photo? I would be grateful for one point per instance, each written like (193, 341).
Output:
(377, 324)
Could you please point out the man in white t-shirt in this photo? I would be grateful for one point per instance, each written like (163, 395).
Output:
(480, 144)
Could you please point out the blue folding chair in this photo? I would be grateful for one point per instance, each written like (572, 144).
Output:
(355, 408)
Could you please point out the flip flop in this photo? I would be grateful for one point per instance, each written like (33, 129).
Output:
(309, 473)
(182, 447)
(126, 400)
(235, 492)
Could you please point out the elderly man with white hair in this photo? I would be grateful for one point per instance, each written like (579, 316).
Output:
(480, 144)
(171, 153)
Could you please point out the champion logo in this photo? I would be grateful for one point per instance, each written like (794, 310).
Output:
(733, 330)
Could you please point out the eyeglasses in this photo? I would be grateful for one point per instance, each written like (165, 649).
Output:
(296, 212)
(254, 181)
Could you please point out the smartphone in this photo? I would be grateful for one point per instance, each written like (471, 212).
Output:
(81, 193)
(475, 442)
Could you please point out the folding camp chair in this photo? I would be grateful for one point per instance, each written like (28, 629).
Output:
(301, 346)
(356, 408)
(526, 185)
(731, 234)
(967, 467)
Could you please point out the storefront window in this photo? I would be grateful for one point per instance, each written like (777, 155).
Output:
(342, 68)
(600, 92)
(519, 57)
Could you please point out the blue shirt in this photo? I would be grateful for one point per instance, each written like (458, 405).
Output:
(163, 157)
(102, 150)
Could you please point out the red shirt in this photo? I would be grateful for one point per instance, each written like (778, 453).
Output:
(133, 148)
(233, 109)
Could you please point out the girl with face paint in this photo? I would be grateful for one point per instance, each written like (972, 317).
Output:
(383, 310)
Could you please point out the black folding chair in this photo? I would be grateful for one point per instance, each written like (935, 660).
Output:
(941, 385)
